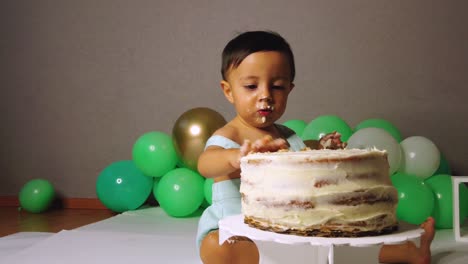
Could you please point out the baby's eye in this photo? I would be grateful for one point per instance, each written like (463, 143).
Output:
(278, 87)
(250, 86)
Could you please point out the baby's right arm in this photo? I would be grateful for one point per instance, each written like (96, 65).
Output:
(216, 161)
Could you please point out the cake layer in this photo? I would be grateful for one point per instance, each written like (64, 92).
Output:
(304, 218)
(371, 196)
(332, 230)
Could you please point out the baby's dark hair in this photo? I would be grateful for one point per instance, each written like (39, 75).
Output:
(254, 41)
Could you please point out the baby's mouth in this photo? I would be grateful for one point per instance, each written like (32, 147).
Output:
(265, 110)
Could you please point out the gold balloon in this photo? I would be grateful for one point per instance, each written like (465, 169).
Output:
(191, 131)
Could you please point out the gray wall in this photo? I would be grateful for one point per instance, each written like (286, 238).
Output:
(82, 80)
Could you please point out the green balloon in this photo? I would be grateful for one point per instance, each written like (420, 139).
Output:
(180, 163)
(463, 200)
(154, 154)
(383, 124)
(325, 124)
(441, 185)
(121, 186)
(444, 166)
(155, 187)
(208, 190)
(204, 204)
(180, 192)
(296, 125)
(36, 196)
(415, 199)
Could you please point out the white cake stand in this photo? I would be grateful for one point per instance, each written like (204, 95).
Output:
(234, 226)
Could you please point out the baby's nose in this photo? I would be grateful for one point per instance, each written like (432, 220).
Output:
(265, 95)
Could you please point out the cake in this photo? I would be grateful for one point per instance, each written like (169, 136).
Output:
(328, 193)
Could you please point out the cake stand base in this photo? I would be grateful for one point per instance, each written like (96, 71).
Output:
(234, 226)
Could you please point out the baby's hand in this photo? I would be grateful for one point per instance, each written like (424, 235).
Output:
(332, 141)
(266, 144)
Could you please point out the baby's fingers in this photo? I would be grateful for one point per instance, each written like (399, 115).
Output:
(260, 143)
(279, 143)
(245, 148)
(270, 146)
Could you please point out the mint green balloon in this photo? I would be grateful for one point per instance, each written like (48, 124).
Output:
(373, 137)
(121, 186)
(154, 154)
(441, 185)
(180, 192)
(415, 199)
(296, 125)
(421, 157)
(325, 124)
(383, 124)
(36, 195)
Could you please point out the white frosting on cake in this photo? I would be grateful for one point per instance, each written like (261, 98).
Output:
(308, 189)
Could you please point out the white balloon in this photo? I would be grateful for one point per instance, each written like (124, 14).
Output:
(373, 137)
(421, 157)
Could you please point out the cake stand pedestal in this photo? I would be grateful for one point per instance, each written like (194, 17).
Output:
(234, 226)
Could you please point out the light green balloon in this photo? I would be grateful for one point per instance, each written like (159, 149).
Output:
(296, 125)
(180, 192)
(442, 188)
(154, 154)
(421, 157)
(371, 137)
(383, 124)
(36, 195)
(326, 124)
(415, 199)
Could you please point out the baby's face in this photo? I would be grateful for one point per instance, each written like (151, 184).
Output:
(259, 87)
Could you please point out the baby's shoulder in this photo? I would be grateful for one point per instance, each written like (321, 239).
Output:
(225, 137)
(228, 131)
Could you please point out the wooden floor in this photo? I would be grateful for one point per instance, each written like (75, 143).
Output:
(13, 220)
